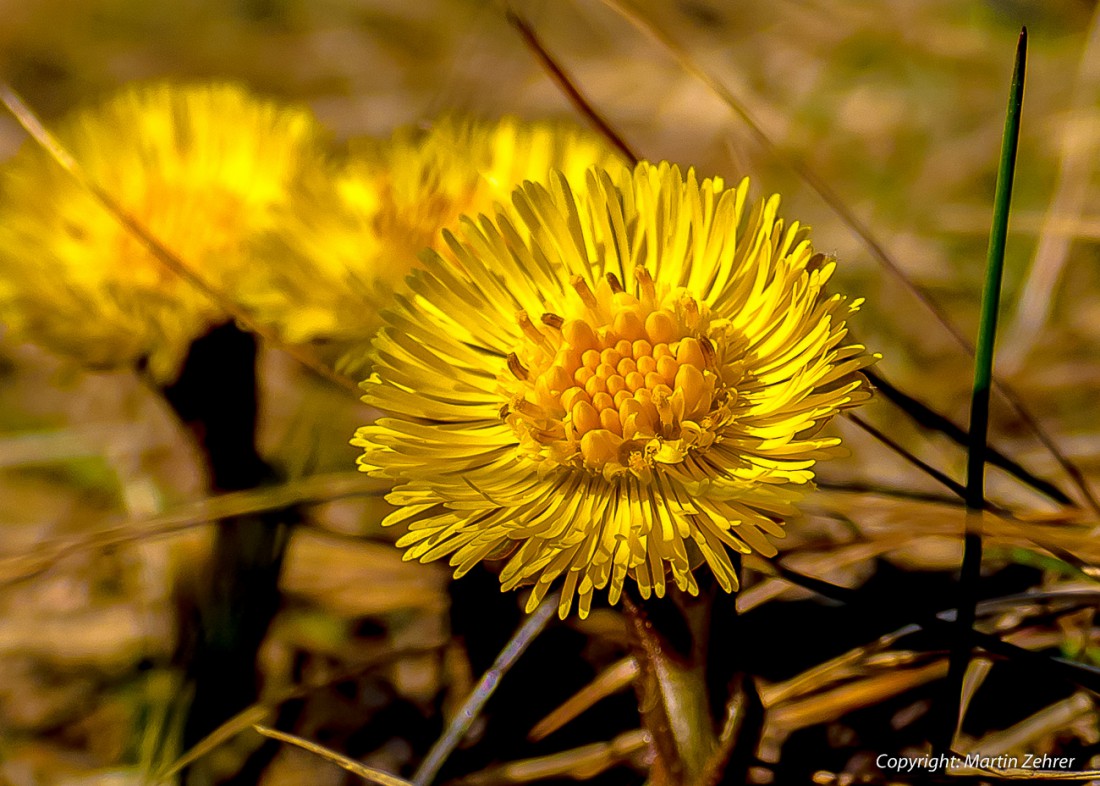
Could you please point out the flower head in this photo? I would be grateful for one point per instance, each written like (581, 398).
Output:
(627, 384)
(199, 166)
(352, 233)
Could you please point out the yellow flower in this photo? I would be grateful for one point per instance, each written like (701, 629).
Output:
(352, 233)
(199, 166)
(631, 383)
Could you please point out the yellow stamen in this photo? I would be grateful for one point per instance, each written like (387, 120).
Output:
(628, 325)
(532, 332)
(585, 417)
(517, 369)
(553, 321)
(646, 287)
(584, 291)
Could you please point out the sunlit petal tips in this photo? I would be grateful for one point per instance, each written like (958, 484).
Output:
(198, 166)
(623, 383)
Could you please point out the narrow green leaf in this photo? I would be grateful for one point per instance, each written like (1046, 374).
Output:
(979, 403)
(991, 297)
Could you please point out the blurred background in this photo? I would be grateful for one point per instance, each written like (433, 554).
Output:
(895, 110)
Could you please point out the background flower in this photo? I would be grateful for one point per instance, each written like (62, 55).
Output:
(352, 233)
(199, 166)
(622, 383)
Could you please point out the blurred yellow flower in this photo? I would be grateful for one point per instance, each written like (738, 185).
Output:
(200, 166)
(630, 383)
(352, 234)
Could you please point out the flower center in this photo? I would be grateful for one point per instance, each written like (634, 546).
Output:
(622, 382)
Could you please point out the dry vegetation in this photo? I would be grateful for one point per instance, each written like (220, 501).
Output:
(896, 108)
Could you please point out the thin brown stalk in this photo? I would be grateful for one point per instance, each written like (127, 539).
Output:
(920, 464)
(568, 86)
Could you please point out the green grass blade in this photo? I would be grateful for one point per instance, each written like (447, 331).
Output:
(979, 403)
(987, 330)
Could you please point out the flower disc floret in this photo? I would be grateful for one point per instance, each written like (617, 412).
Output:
(625, 382)
(628, 381)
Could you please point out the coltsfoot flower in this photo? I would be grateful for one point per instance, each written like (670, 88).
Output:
(351, 234)
(628, 384)
(200, 166)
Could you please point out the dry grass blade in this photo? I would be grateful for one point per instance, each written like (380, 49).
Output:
(972, 221)
(60, 445)
(1046, 721)
(368, 774)
(891, 492)
(920, 464)
(926, 417)
(579, 763)
(1070, 538)
(837, 703)
(609, 681)
(246, 718)
(1083, 674)
(850, 665)
(41, 135)
(252, 715)
(976, 673)
(1072, 543)
(818, 562)
(805, 691)
(1014, 774)
(238, 503)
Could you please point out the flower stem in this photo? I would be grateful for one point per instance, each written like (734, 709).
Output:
(672, 691)
(215, 396)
